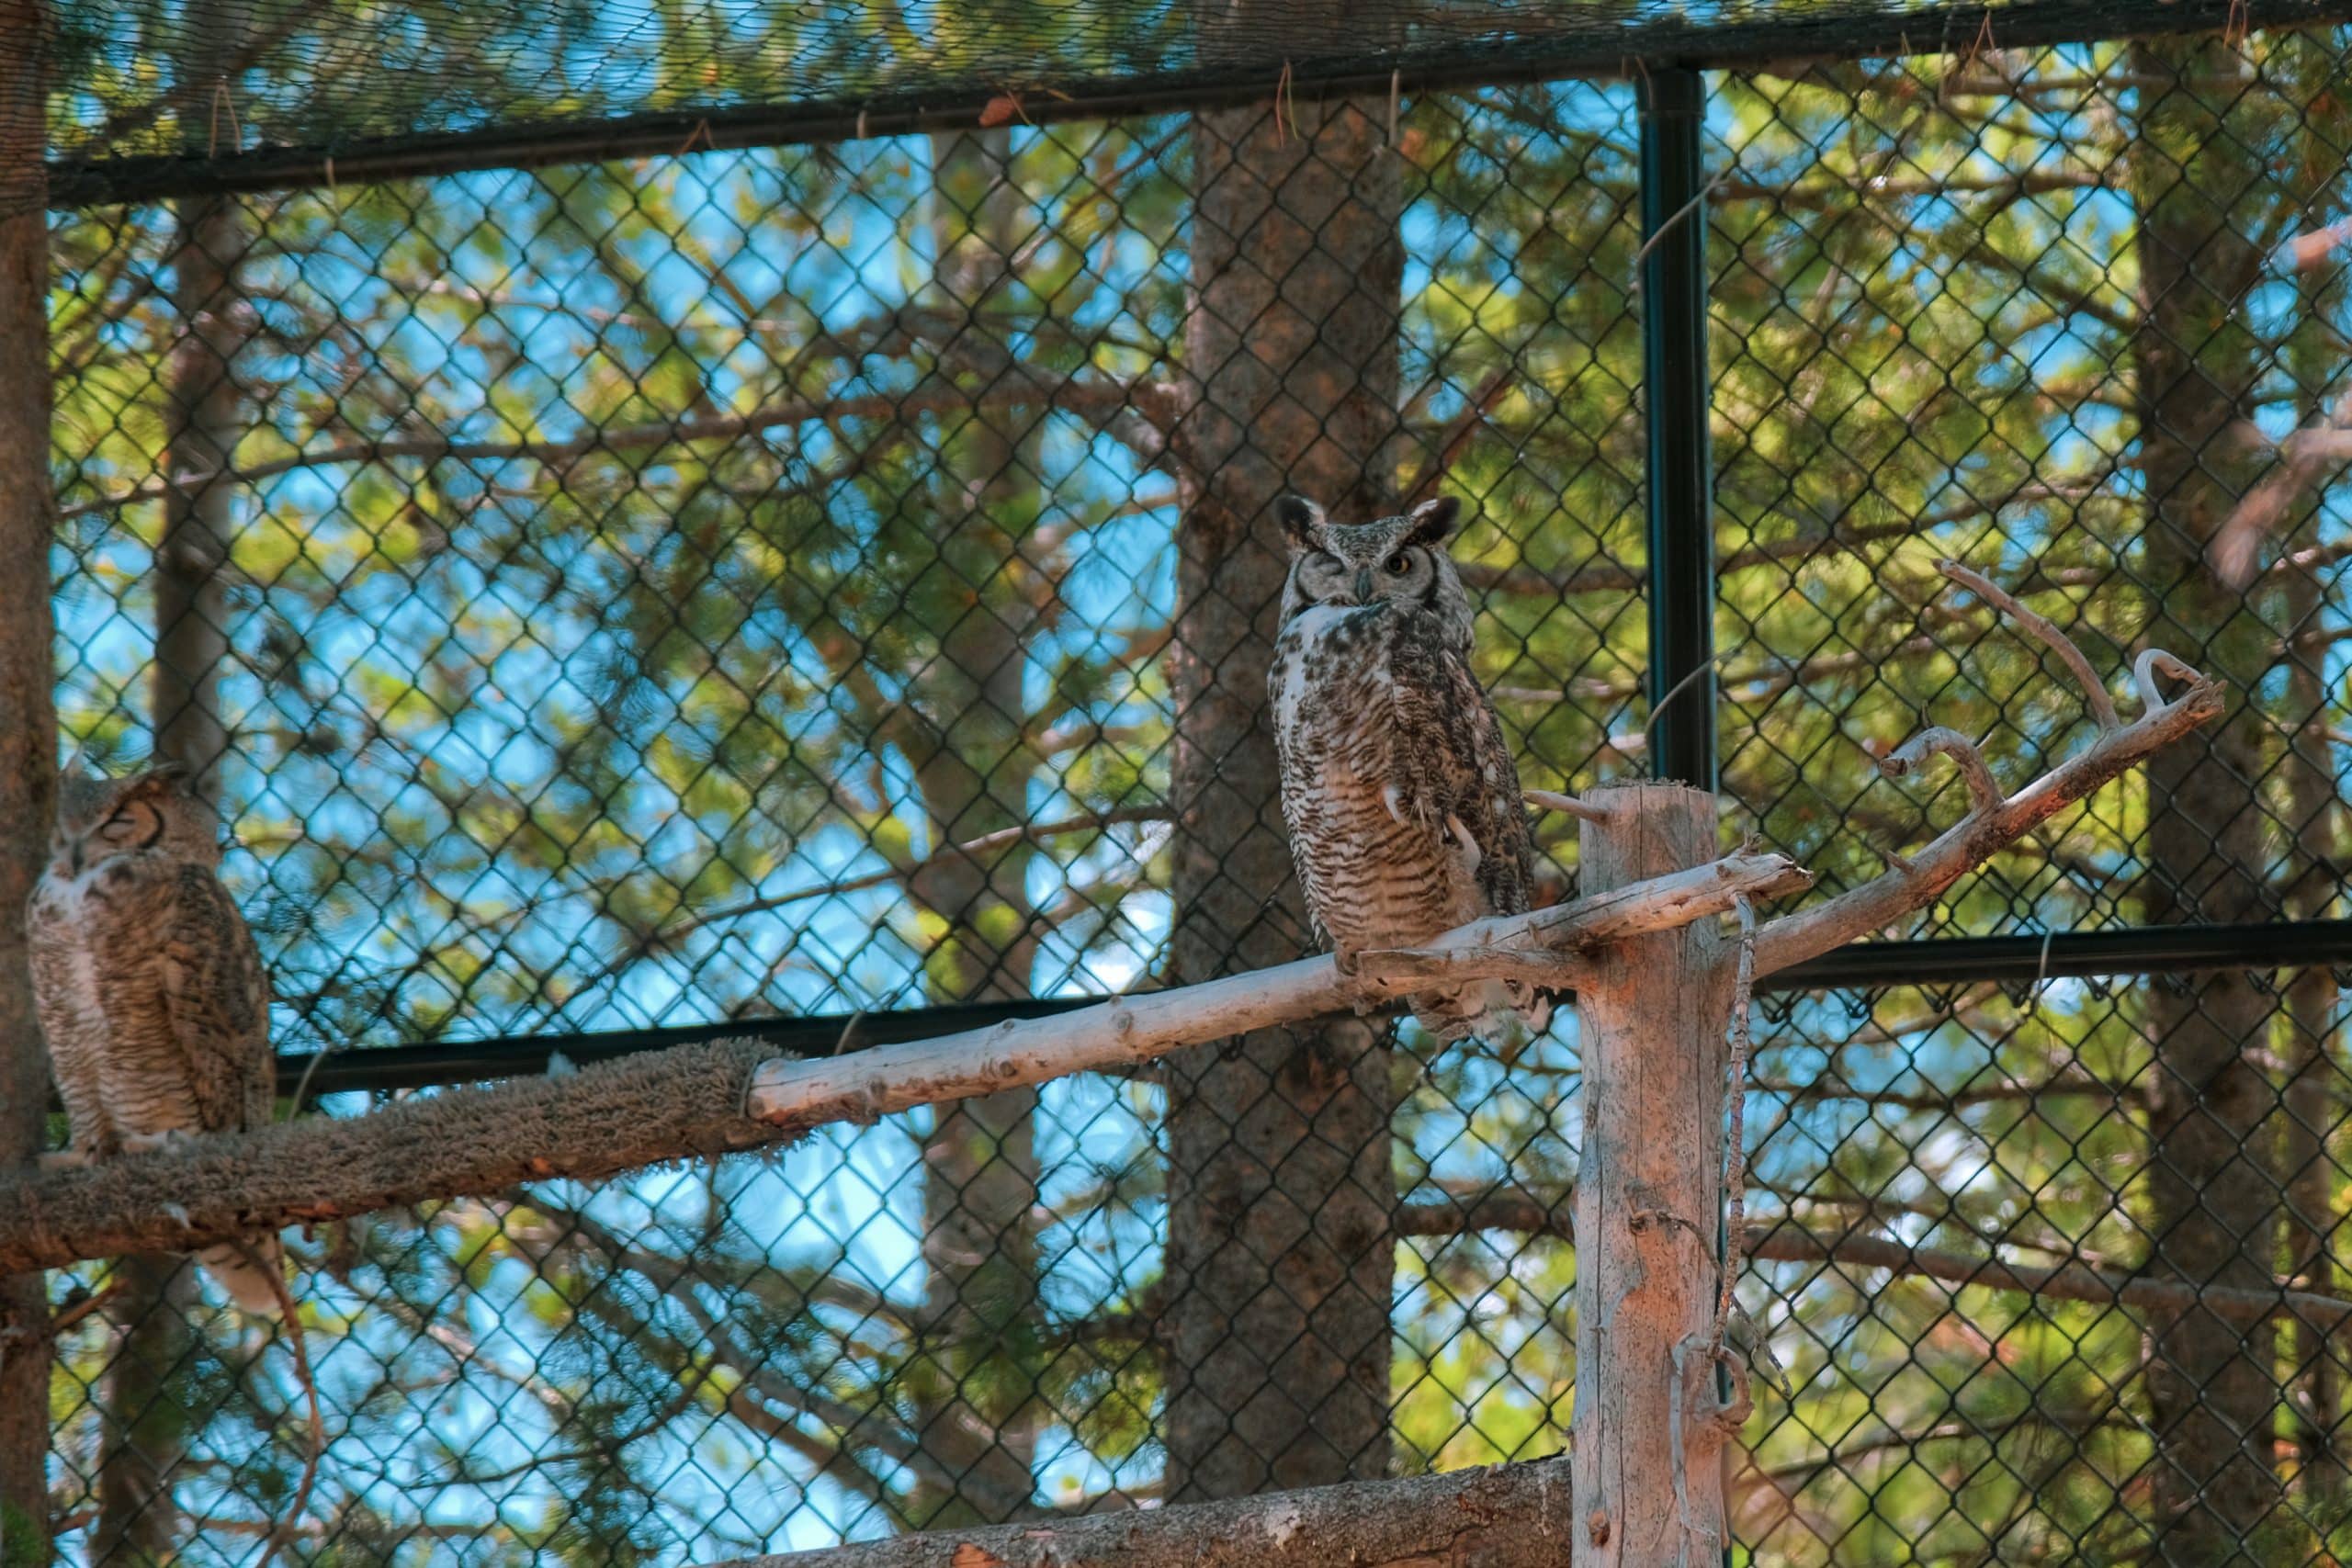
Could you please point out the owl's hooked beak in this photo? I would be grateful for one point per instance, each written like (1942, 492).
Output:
(1364, 586)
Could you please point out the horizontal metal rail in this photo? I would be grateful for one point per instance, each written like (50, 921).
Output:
(1866, 965)
(1608, 48)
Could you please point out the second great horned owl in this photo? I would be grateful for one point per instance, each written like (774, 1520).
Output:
(149, 987)
(1401, 798)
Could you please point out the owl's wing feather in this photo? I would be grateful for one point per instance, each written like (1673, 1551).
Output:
(73, 1019)
(1468, 775)
(217, 996)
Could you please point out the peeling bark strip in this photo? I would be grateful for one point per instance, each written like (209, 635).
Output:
(1512, 1515)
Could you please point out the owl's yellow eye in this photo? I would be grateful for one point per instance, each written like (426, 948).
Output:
(1399, 564)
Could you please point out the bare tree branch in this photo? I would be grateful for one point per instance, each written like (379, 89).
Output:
(1512, 1516)
(2305, 457)
(1528, 1212)
(2069, 1281)
(1104, 401)
(1993, 823)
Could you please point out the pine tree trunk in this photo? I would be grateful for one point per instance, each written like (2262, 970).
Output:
(28, 745)
(146, 1421)
(973, 1412)
(2315, 1071)
(1281, 1250)
(2212, 1182)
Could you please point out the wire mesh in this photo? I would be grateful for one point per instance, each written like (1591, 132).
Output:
(754, 582)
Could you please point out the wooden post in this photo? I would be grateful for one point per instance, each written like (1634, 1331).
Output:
(1649, 1428)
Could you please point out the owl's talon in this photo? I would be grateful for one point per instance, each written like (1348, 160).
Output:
(178, 1212)
(1394, 798)
(1471, 854)
(155, 1143)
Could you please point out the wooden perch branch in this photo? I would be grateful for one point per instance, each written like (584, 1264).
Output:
(1121, 1034)
(1994, 821)
(1511, 1515)
(691, 1099)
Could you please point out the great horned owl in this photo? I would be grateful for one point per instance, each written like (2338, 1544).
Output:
(1401, 798)
(149, 987)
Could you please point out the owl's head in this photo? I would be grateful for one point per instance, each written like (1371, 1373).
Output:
(159, 811)
(1399, 560)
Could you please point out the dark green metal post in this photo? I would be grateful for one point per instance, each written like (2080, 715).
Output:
(1674, 381)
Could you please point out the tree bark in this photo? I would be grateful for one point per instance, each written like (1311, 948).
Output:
(1647, 1452)
(27, 743)
(1281, 1253)
(2212, 1181)
(1512, 1516)
(147, 1422)
(2314, 1072)
(980, 1158)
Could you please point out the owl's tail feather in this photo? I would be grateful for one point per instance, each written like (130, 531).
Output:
(237, 1266)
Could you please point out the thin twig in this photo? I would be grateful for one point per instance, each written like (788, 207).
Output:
(292, 1319)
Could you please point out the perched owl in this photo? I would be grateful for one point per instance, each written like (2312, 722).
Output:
(1402, 802)
(150, 988)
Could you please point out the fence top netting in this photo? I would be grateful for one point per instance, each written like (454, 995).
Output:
(151, 98)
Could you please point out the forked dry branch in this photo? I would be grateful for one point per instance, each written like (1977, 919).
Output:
(1995, 819)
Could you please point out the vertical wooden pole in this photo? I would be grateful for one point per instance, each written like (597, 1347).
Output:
(1649, 1426)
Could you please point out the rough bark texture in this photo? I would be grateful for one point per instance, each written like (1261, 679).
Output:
(615, 1116)
(1649, 1203)
(1513, 1516)
(974, 1415)
(1280, 1249)
(2212, 1187)
(27, 744)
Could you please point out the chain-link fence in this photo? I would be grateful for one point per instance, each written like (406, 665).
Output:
(770, 589)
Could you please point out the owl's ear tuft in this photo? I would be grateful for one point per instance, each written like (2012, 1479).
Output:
(1301, 520)
(1432, 521)
(172, 777)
